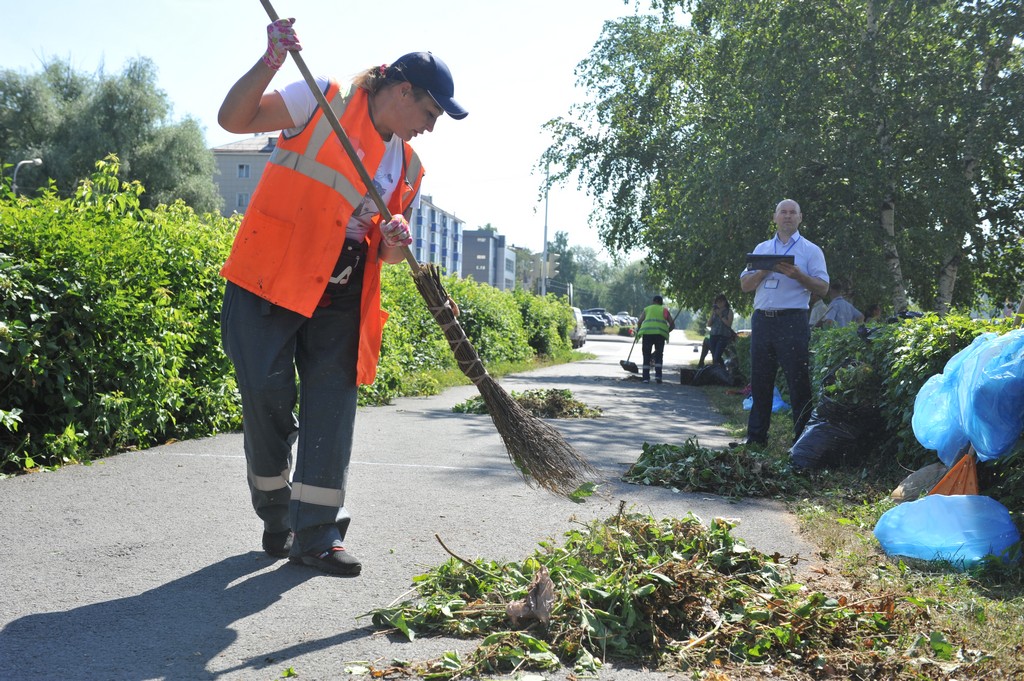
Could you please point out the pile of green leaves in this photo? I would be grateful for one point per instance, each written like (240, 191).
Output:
(548, 403)
(669, 593)
(734, 472)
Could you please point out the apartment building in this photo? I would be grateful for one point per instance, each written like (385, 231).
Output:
(488, 260)
(241, 166)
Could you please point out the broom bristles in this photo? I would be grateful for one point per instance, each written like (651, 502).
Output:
(537, 450)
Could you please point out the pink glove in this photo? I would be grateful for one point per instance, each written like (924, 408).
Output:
(396, 232)
(281, 40)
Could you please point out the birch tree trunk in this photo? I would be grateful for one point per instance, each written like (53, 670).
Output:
(968, 213)
(887, 219)
(887, 216)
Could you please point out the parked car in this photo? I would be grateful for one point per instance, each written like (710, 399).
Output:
(578, 334)
(629, 319)
(603, 314)
(594, 323)
(623, 320)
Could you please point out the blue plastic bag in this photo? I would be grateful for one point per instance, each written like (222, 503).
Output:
(992, 395)
(962, 529)
(778, 404)
(936, 419)
(978, 399)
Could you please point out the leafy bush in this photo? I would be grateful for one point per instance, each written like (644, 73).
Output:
(110, 328)
(491, 320)
(110, 325)
(548, 321)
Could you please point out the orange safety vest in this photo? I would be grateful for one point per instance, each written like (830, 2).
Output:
(294, 228)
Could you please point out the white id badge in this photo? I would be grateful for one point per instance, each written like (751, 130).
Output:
(771, 283)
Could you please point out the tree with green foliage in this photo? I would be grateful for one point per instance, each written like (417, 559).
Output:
(895, 125)
(631, 288)
(71, 119)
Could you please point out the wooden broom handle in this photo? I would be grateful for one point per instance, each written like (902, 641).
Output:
(325, 106)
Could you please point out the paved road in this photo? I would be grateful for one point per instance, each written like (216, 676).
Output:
(147, 565)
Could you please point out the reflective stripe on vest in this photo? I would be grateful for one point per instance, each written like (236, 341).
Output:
(314, 170)
(306, 163)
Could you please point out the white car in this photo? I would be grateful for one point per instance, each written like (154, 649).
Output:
(578, 334)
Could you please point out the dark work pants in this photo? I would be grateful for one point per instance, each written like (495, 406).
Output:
(718, 346)
(653, 346)
(781, 341)
(267, 345)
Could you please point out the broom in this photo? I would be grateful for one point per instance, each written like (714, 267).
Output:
(625, 363)
(537, 450)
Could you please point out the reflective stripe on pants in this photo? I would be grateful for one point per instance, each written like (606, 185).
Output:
(267, 345)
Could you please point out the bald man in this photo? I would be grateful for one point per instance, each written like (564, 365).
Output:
(780, 335)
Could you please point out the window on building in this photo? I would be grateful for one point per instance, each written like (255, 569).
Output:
(243, 171)
(242, 200)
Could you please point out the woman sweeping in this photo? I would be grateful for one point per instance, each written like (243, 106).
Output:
(303, 289)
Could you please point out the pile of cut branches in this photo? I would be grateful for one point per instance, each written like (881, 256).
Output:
(669, 593)
(548, 403)
(736, 472)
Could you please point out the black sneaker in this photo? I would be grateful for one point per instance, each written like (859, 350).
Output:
(277, 544)
(335, 560)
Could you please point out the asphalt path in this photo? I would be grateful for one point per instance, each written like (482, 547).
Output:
(147, 565)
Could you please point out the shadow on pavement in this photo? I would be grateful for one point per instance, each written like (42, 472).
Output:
(171, 632)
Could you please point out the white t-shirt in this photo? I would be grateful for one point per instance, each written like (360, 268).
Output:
(302, 105)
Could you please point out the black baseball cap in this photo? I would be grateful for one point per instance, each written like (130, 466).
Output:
(424, 70)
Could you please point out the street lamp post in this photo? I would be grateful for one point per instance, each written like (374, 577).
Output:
(14, 178)
(544, 250)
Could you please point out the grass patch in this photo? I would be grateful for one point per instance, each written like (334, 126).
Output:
(434, 382)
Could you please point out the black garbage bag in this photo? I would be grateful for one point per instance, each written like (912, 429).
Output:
(686, 375)
(713, 374)
(823, 444)
(732, 365)
(856, 419)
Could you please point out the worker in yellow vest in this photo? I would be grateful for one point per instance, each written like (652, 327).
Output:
(654, 325)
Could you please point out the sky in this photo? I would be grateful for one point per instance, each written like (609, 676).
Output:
(513, 64)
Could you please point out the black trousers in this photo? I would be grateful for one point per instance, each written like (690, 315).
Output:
(653, 346)
(780, 341)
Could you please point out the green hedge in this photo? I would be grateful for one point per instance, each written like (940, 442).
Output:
(109, 330)
(110, 326)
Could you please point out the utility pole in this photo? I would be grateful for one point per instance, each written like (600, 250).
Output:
(544, 250)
